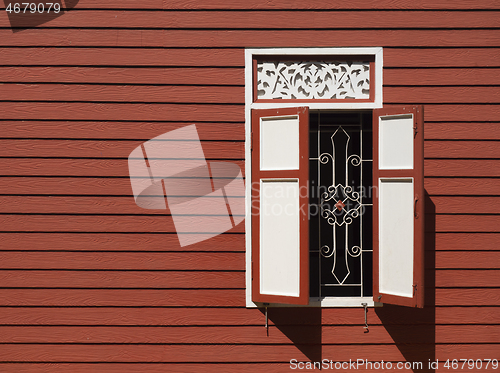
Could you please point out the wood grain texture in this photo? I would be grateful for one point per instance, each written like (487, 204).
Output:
(462, 149)
(119, 167)
(117, 130)
(229, 76)
(195, 298)
(71, 167)
(220, 95)
(159, 279)
(126, 206)
(124, 75)
(192, 261)
(32, 241)
(282, 4)
(122, 111)
(166, 38)
(91, 282)
(462, 186)
(146, 261)
(212, 149)
(122, 93)
(219, 57)
(441, 77)
(99, 279)
(120, 186)
(124, 297)
(224, 353)
(239, 335)
(165, 224)
(115, 242)
(321, 19)
(129, 316)
(221, 150)
(461, 131)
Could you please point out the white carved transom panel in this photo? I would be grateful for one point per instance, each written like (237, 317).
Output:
(313, 80)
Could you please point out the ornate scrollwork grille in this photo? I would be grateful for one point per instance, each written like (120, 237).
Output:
(313, 80)
(341, 163)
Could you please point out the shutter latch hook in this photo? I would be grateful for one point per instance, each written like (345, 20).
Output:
(365, 306)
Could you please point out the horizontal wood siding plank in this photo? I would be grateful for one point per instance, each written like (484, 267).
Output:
(218, 57)
(228, 353)
(106, 149)
(461, 131)
(124, 75)
(124, 93)
(467, 278)
(99, 279)
(149, 279)
(207, 131)
(143, 368)
(212, 149)
(463, 205)
(466, 167)
(165, 261)
(167, 38)
(165, 224)
(29, 241)
(114, 130)
(194, 261)
(283, 4)
(109, 224)
(229, 76)
(195, 298)
(119, 167)
(159, 57)
(435, 186)
(462, 186)
(441, 77)
(442, 95)
(123, 297)
(321, 19)
(465, 241)
(116, 316)
(218, 94)
(335, 335)
(115, 242)
(469, 260)
(462, 149)
(198, 112)
(126, 206)
(70, 167)
(122, 111)
(464, 223)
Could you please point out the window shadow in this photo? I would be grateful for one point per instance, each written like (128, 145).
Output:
(412, 329)
(301, 325)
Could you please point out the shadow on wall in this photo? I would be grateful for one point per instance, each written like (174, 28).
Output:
(26, 15)
(301, 325)
(414, 329)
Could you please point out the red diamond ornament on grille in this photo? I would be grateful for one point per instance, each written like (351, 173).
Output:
(339, 205)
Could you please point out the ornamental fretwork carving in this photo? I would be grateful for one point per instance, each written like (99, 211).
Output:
(313, 80)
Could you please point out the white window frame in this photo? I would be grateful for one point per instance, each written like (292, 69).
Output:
(377, 52)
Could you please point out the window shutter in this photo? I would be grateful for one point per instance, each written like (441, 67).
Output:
(398, 206)
(280, 225)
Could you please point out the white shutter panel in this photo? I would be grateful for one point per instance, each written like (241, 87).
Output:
(398, 207)
(280, 225)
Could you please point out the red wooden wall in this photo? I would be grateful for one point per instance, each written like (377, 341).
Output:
(89, 282)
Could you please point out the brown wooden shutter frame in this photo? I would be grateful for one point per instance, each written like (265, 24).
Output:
(417, 174)
(302, 174)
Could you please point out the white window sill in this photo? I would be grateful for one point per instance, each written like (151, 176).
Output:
(326, 302)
